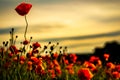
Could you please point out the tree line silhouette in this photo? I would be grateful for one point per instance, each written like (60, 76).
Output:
(112, 48)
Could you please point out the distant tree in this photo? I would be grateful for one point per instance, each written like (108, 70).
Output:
(112, 48)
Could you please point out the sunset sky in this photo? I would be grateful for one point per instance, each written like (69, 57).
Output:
(81, 25)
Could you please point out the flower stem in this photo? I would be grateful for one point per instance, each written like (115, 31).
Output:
(26, 27)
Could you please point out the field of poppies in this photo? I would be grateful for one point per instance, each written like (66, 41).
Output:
(27, 62)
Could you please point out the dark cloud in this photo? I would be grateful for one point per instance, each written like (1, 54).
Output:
(4, 31)
(7, 30)
(33, 28)
(108, 1)
(5, 4)
(44, 27)
(83, 44)
(110, 34)
(50, 1)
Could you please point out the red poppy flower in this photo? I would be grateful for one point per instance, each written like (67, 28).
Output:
(15, 59)
(35, 51)
(36, 45)
(110, 65)
(55, 62)
(73, 58)
(91, 66)
(34, 60)
(53, 76)
(85, 74)
(94, 59)
(13, 49)
(71, 71)
(58, 70)
(55, 55)
(10, 55)
(51, 71)
(21, 62)
(22, 58)
(23, 8)
(29, 68)
(116, 75)
(117, 67)
(66, 61)
(29, 63)
(70, 66)
(38, 69)
(51, 65)
(106, 56)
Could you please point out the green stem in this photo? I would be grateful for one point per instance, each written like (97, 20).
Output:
(26, 27)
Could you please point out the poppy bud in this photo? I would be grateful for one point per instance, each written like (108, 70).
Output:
(25, 42)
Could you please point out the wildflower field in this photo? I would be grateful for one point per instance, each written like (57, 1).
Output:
(27, 62)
